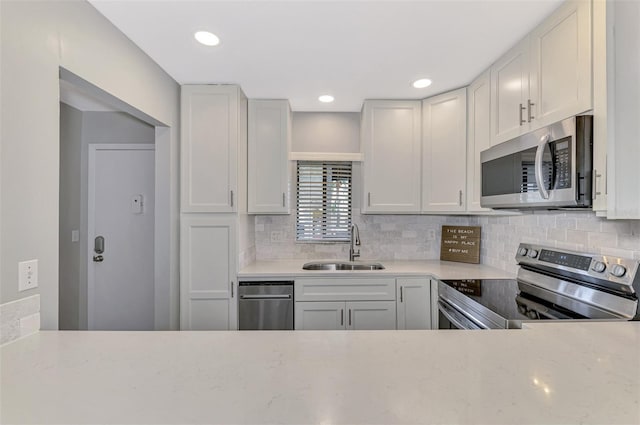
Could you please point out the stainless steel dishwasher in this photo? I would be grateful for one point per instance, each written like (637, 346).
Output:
(265, 305)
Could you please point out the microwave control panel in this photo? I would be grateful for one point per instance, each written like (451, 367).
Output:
(562, 163)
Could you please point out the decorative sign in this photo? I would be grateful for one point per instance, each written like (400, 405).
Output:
(461, 244)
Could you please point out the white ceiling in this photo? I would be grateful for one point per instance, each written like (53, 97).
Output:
(354, 50)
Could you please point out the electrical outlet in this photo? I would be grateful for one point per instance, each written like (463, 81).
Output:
(276, 236)
(431, 235)
(27, 275)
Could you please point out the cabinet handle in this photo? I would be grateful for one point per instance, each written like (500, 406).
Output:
(401, 297)
(529, 109)
(369, 199)
(594, 191)
(283, 199)
(342, 317)
(349, 317)
(521, 109)
(232, 198)
(460, 198)
(231, 289)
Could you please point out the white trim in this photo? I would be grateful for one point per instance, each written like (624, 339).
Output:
(325, 156)
(91, 201)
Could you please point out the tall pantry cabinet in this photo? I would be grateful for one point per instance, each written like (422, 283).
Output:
(213, 204)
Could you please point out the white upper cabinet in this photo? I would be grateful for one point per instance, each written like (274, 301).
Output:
(561, 64)
(546, 77)
(510, 94)
(444, 152)
(391, 143)
(268, 162)
(478, 137)
(211, 118)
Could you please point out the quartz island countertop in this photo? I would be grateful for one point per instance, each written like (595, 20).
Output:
(436, 268)
(551, 373)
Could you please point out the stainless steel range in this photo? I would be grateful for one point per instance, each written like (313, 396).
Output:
(551, 284)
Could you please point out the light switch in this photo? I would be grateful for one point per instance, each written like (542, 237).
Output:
(75, 235)
(27, 275)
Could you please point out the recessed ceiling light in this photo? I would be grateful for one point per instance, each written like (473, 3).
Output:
(207, 38)
(422, 83)
(326, 98)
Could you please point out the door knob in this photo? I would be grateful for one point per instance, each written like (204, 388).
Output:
(98, 258)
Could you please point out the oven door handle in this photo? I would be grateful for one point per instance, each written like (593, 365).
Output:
(455, 317)
(538, 166)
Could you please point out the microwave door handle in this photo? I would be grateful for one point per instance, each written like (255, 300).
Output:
(538, 167)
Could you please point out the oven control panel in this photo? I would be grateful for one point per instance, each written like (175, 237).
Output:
(617, 273)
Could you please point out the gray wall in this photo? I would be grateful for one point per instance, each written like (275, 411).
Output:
(77, 131)
(38, 38)
(70, 179)
(331, 132)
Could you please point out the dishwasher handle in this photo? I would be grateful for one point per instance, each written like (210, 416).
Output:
(265, 297)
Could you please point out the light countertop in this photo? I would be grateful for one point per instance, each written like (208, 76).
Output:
(554, 373)
(436, 268)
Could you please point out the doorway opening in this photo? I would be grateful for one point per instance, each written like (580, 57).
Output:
(109, 276)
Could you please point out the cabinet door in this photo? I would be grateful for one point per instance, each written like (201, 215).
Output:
(509, 94)
(561, 64)
(414, 303)
(391, 147)
(268, 156)
(478, 137)
(207, 274)
(444, 164)
(371, 315)
(603, 82)
(320, 315)
(209, 142)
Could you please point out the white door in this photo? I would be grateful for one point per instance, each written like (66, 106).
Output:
(371, 315)
(121, 214)
(209, 148)
(391, 143)
(268, 156)
(561, 64)
(208, 255)
(478, 137)
(414, 303)
(320, 315)
(444, 150)
(510, 92)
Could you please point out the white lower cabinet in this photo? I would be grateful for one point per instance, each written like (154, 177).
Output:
(207, 273)
(413, 301)
(345, 303)
(336, 315)
(370, 315)
(319, 315)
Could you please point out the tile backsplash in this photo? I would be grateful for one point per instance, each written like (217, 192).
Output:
(19, 318)
(577, 231)
(417, 237)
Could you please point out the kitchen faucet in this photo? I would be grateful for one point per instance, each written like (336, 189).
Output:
(355, 241)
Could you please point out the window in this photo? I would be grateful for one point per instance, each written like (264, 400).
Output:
(323, 201)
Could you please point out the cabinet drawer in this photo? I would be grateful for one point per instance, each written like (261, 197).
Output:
(349, 289)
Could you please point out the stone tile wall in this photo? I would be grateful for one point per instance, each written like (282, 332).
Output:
(417, 237)
(19, 318)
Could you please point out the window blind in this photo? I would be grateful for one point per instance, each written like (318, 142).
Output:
(323, 201)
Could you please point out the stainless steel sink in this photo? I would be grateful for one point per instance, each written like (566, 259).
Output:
(342, 265)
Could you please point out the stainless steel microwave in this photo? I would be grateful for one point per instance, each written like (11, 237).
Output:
(549, 168)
